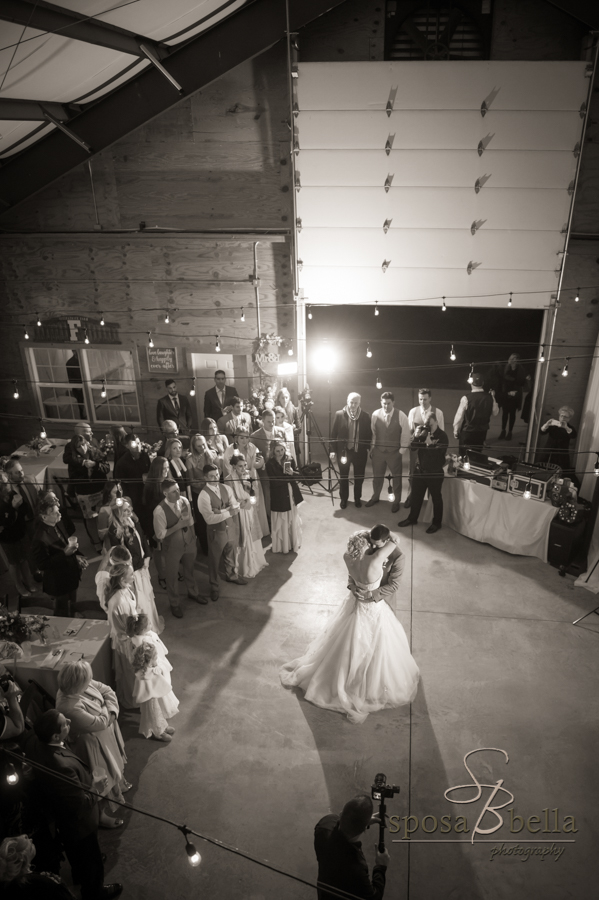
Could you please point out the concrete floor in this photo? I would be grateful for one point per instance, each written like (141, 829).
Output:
(255, 766)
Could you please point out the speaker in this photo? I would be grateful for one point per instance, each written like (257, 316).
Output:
(564, 541)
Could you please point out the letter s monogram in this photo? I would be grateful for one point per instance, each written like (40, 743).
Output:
(495, 789)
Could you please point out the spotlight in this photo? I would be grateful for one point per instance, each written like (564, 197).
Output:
(242, 315)
(528, 492)
(368, 351)
(150, 341)
(42, 430)
(379, 383)
(25, 333)
(309, 312)
(16, 390)
(192, 392)
(167, 318)
(444, 308)
(86, 338)
(325, 358)
(452, 355)
(466, 462)
(376, 307)
(391, 495)
(217, 345)
(103, 391)
(577, 297)
(509, 303)
(565, 369)
(470, 376)
(119, 496)
(542, 354)
(39, 321)
(102, 322)
(12, 776)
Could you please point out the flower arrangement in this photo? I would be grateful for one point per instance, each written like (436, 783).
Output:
(39, 444)
(17, 628)
(150, 449)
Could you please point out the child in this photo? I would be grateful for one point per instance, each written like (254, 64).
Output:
(153, 690)
(114, 556)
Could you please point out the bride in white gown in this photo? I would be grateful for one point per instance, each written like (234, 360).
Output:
(362, 661)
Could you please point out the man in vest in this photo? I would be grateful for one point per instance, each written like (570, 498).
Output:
(417, 416)
(390, 441)
(472, 419)
(220, 511)
(173, 526)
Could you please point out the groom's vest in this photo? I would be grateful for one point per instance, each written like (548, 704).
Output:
(184, 535)
(386, 439)
(229, 525)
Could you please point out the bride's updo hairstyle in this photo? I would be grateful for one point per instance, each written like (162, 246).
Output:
(357, 544)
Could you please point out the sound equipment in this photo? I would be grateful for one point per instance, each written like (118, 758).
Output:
(536, 480)
(564, 542)
(479, 477)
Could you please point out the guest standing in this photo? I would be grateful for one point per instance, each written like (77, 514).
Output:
(281, 422)
(285, 496)
(55, 553)
(262, 439)
(560, 434)
(87, 473)
(250, 555)
(351, 438)
(152, 496)
(200, 455)
(111, 489)
(173, 527)
(18, 880)
(216, 442)
(234, 419)
(173, 453)
(509, 380)
(14, 537)
(431, 443)
(153, 689)
(292, 414)
(131, 469)
(95, 737)
(416, 417)
(220, 511)
(255, 463)
(170, 430)
(473, 417)
(120, 604)
(216, 398)
(174, 406)
(391, 439)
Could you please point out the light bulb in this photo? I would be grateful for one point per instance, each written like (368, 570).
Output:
(577, 297)
(452, 354)
(252, 493)
(309, 313)
(390, 494)
(471, 375)
(379, 383)
(242, 315)
(565, 369)
(527, 493)
(217, 346)
(343, 460)
(542, 356)
(43, 434)
(376, 307)
(167, 318)
(509, 303)
(192, 392)
(16, 391)
(443, 308)
(12, 776)
(368, 351)
(103, 391)
(119, 498)
(150, 341)
(39, 321)
(193, 857)
(290, 351)
(596, 470)
(86, 338)
(102, 322)
(26, 334)
(466, 463)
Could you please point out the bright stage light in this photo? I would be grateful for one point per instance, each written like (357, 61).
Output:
(325, 359)
(287, 368)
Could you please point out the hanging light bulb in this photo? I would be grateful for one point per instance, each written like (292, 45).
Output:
(452, 355)
(379, 383)
(509, 303)
(343, 459)
(466, 462)
(242, 315)
(167, 318)
(150, 341)
(368, 351)
(39, 321)
(471, 375)
(193, 857)
(16, 390)
(102, 322)
(119, 496)
(542, 354)
(376, 307)
(192, 392)
(444, 308)
(596, 469)
(42, 430)
(25, 333)
(391, 495)
(103, 391)
(86, 338)
(309, 312)
(12, 776)
(565, 369)
(577, 297)
(290, 351)
(217, 345)
(528, 491)
(252, 492)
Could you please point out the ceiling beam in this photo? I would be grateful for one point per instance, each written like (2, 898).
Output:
(32, 111)
(246, 33)
(57, 20)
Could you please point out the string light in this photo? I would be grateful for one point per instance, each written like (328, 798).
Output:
(466, 462)
(565, 369)
(596, 469)
(43, 434)
(39, 321)
(542, 356)
(368, 351)
(16, 390)
(150, 341)
(343, 459)
(509, 303)
(309, 312)
(86, 338)
(528, 491)
(391, 495)
(167, 318)
(471, 375)
(217, 345)
(103, 391)
(444, 307)
(119, 495)
(452, 355)
(242, 315)
(376, 307)
(290, 351)
(379, 383)
(25, 333)
(12, 776)
(577, 297)
(192, 392)
(102, 322)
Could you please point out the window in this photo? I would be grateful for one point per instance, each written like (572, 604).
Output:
(69, 384)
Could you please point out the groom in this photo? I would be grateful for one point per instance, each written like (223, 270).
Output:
(392, 569)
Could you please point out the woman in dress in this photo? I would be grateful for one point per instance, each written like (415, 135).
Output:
(120, 604)
(284, 497)
(173, 452)
(217, 442)
(281, 422)
(152, 496)
(254, 461)
(250, 555)
(362, 661)
(111, 489)
(292, 414)
(113, 557)
(19, 882)
(199, 456)
(509, 381)
(153, 689)
(95, 736)
(124, 530)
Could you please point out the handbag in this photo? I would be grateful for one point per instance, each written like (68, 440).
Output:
(311, 473)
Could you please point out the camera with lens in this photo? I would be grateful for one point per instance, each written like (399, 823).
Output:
(5, 680)
(380, 790)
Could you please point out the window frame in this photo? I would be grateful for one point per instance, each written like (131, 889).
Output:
(87, 385)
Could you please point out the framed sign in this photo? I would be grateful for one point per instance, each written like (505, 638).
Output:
(163, 359)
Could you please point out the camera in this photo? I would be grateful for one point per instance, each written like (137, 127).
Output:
(421, 432)
(380, 790)
(5, 680)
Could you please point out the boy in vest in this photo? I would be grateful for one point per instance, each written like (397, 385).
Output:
(173, 526)
(473, 417)
(390, 441)
(220, 511)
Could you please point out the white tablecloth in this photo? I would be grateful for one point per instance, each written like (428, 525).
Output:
(499, 518)
(44, 467)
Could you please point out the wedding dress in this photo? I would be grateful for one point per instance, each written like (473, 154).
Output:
(361, 663)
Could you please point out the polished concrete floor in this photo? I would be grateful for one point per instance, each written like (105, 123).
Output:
(255, 766)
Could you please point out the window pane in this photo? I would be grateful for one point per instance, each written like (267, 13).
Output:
(58, 365)
(119, 405)
(62, 403)
(113, 365)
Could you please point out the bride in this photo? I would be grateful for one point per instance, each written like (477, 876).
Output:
(362, 661)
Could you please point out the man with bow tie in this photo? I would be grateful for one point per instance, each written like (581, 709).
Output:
(174, 406)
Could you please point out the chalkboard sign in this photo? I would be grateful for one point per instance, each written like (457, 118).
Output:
(163, 359)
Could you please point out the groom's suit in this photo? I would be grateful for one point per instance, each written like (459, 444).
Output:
(392, 571)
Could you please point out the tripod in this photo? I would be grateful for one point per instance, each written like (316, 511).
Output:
(332, 475)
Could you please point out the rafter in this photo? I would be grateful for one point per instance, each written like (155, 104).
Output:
(33, 110)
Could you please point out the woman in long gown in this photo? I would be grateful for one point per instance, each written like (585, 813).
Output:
(250, 555)
(362, 661)
(199, 456)
(284, 498)
(120, 605)
(254, 461)
(152, 496)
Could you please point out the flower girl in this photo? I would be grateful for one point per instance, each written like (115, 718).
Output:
(153, 690)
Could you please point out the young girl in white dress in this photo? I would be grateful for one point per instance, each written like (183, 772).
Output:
(121, 603)
(250, 555)
(153, 690)
(362, 661)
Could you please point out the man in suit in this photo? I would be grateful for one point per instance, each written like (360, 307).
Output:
(55, 553)
(15, 533)
(393, 568)
(130, 470)
(390, 442)
(262, 439)
(175, 407)
(218, 397)
(351, 438)
(173, 526)
(69, 804)
(432, 444)
(341, 861)
(416, 417)
(236, 418)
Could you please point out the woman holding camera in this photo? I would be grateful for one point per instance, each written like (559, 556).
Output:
(285, 495)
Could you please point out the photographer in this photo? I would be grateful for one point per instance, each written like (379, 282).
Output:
(341, 861)
(431, 443)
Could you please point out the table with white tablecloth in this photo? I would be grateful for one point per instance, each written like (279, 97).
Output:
(42, 662)
(499, 518)
(43, 467)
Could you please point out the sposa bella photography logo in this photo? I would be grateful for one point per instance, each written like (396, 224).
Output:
(492, 811)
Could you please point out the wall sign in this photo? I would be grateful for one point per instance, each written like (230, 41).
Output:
(163, 359)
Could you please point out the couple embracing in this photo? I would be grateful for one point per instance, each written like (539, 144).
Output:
(362, 661)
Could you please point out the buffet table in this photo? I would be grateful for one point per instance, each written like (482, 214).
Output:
(499, 518)
(42, 662)
(42, 467)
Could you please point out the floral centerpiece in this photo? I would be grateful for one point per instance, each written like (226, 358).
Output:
(39, 444)
(17, 628)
